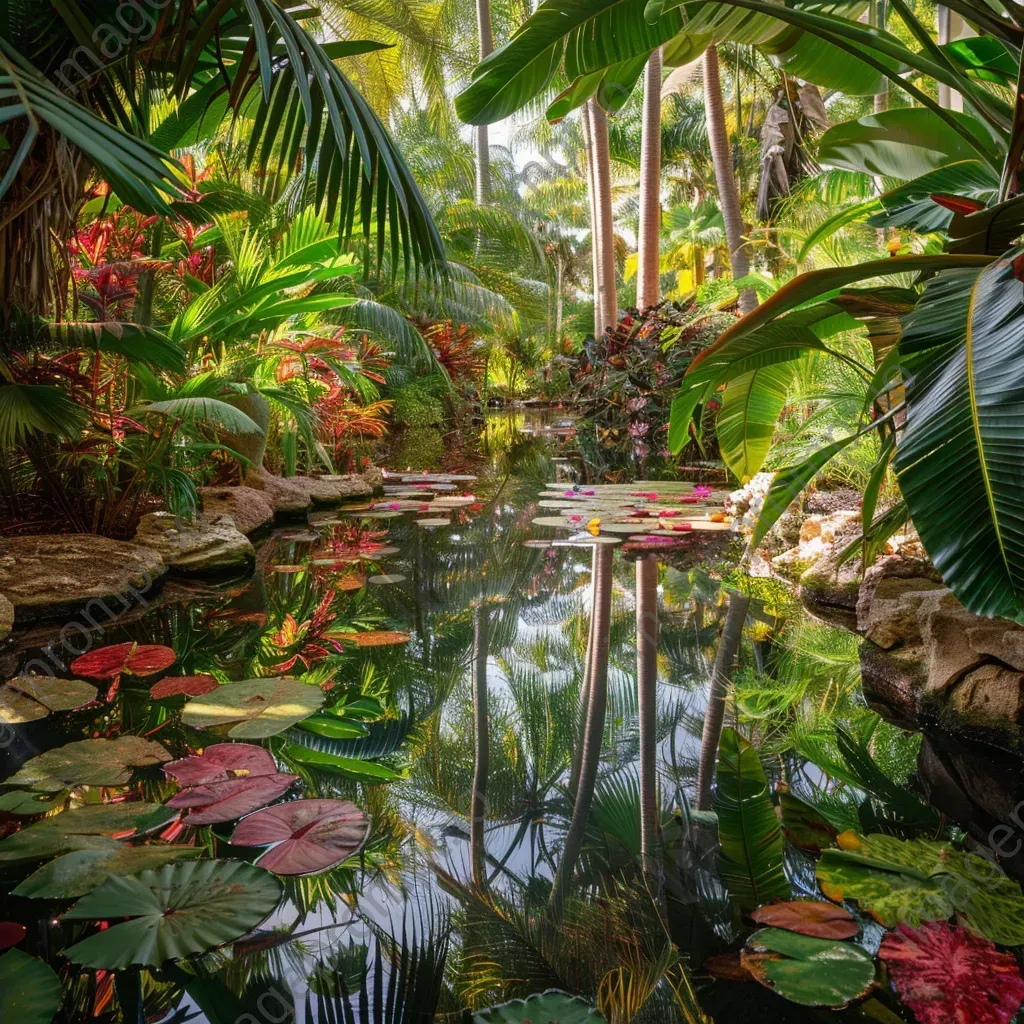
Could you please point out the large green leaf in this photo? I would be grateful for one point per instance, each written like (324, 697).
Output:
(551, 1007)
(261, 707)
(197, 409)
(814, 972)
(992, 230)
(593, 35)
(750, 862)
(176, 911)
(85, 828)
(79, 872)
(98, 762)
(29, 989)
(904, 143)
(37, 408)
(909, 881)
(959, 456)
(135, 342)
(746, 421)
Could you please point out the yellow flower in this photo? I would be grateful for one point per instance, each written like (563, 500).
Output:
(594, 526)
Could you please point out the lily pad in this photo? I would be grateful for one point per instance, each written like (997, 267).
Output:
(29, 698)
(91, 827)
(911, 881)
(385, 580)
(176, 911)
(227, 781)
(809, 971)
(26, 804)
(76, 873)
(190, 686)
(261, 707)
(808, 917)
(120, 659)
(89, 763)
(433, 522)
(11, 933)
(551, 1007)
(305, 836)
(944, 973)
(30, 990)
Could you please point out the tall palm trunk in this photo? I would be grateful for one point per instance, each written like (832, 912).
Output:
(646, 693)
(728, 191)
(605, 222)
(593, 733)
(648, 282)
(481, 747)
(483, 145)
(588, 666)
(595, 247)
(714, 715)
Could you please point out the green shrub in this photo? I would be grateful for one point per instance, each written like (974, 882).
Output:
(418, 448)
(419, 403)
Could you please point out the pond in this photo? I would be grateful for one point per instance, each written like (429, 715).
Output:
(441, 652)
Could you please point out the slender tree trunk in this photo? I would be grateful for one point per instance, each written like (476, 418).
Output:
(728, 191)
(714, 716)
(481, 747)
(605, 221)
(588, 666)
(558, 302)
(593, 734)
(648, 282)
(878, 18)
(646, 692)
(483, 146)
(595, 247)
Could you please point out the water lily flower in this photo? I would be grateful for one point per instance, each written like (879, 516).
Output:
(594, 526)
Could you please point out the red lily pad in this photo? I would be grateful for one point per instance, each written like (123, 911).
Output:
(191, 686)
(11, 933)
(225, 782)
(118, 659)
(947, 975)
(808, 917)
(305, 836)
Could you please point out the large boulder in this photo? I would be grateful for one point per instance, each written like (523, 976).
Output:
(333, 490)
(288, 496)
(63, 570)
(201, 545)
(6, 617)
(248, 507)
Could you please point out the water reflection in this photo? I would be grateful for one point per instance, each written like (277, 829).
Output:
(531, 812)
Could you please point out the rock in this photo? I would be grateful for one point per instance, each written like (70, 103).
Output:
(888, 568)
(944, 624)
(202, 545)
(332, 490)
(248, 507)
(6, 617)
(67, 569)
(890, 618)
(831, 590)
(1002, 640)
(288, 496)
(991, 698)
(374, 476)
(893, 682)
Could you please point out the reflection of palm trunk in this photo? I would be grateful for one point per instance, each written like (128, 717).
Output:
(728, 191)
(588, 667)
(646, 692)
(593, 734)
(595, 246)
(648, 281)
(605, 222)
(481, 747)
(714, 716)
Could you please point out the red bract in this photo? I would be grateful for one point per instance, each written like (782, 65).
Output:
(133, 659)
(947, 975)
(192, 686)
(305, 836)
(226, 781)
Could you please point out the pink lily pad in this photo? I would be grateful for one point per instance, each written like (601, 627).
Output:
(11, 933)
(191, 686)
(225, 782)
(305, 836)
(133, 659)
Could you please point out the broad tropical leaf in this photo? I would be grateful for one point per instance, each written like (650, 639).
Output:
(29, 698)
(959, 454)
(37, 408)
(176, 911)
(746, 421)
(554, 1006)
(808, 917)
(750, 862)
(131, 659)
(92, 762)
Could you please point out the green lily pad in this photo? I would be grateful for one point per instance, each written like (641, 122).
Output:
(261, 707)
(29, 989)
(89, 763)
(551, 1007)
(85, 828)
(29, 698)
(911, 881)
(809, 971)
(176, 911)
(26, 804)
(81, 871)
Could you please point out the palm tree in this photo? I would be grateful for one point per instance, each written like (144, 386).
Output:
(728, 191)
(605, 222)
(483, 148)
(595, 248)
(648, 290)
